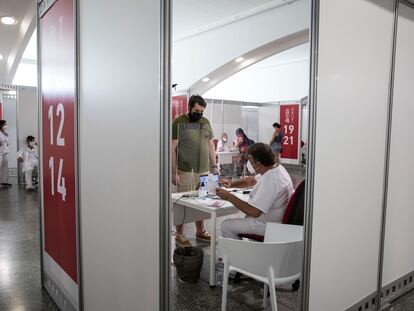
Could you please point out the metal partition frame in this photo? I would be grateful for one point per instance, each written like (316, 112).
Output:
(310, 161)
(387, 158)
(311, 154)
(165, 154)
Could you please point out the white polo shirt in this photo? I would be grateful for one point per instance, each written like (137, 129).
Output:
(271, 194)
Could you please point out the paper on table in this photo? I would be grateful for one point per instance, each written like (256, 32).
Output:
(211, 202)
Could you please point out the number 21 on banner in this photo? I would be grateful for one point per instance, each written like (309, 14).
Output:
(288, 134)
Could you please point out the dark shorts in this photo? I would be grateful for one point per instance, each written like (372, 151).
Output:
(276, 147)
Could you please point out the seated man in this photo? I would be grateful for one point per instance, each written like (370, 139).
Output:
(28, 154)
(268, 199)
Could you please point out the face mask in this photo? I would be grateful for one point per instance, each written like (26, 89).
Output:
(224, 139)
(32, 143)
(251, 168)
(195, 116)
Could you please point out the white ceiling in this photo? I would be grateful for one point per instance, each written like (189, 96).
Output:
(14, 38)
(293, 55)
(30, 53)
(190, 15)
(284, 76)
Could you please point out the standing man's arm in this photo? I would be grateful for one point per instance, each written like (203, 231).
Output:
(212, 153)
(174, 175)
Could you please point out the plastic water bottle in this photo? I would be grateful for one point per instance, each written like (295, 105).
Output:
(202, 192)
(219, 272)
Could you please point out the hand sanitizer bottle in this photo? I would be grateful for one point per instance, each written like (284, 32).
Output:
(202, 192)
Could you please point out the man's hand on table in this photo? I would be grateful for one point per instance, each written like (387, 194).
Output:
(223, 194)
(225, 183)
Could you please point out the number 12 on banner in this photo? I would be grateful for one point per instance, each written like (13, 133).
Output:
(60, 180)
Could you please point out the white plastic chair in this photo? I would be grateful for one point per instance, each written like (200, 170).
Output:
(276, 261)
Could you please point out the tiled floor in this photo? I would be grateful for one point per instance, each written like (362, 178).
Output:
(404, 303)
(244, 296)
(20, 287)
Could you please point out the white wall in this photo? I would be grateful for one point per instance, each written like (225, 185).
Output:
(224, 119)
(232, 119)
(27, 113)
(268, 114)
(119, 162)
(355, 39)
(282, 77)
(305, 123)
(250, 119)
(399, 249)
(10, 115)
(211, 49)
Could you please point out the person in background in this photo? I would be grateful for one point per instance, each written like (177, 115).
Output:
(193, 154)
(303, 152)
(276, 141)
(28, 154)
(4, 153)
(242, 143)
(223, 144)
(268, 200)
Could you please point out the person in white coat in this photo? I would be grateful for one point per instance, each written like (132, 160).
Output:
(28, 154)
(4, 153)
(268, 200)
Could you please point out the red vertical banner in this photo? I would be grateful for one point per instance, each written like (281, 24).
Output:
(289, 121)
(58, 76)
(179, 105)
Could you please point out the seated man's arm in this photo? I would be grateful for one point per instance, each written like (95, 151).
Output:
(249, 181)
(240, 204)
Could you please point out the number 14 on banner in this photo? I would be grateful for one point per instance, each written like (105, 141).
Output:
(60, 181)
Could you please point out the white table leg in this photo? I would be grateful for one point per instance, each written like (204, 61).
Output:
(213, 250)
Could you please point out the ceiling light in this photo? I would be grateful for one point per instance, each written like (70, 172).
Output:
(206, 79)
(8, 20)
(1, 57)
(246, 63)
(239, 60)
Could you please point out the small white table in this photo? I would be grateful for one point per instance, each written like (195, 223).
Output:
(188, 210)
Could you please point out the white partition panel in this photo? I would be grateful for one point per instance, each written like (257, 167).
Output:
(119, 108)
(217, 118)
(399, 248)
(10, 115)
(231, 119)
(268, 114)
(355, 41)
(27, 113)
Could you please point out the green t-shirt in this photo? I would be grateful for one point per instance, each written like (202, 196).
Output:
(193, 143)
